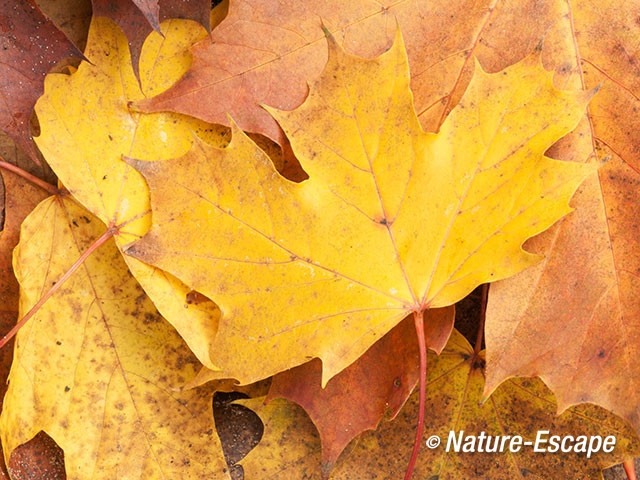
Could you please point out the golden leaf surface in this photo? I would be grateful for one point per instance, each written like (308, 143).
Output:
(87, 127)
(391, 220)
(290, 445)
(97, 367)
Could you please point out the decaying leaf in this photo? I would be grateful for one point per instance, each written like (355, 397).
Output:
(391, 221)
(574, 320)
(138, 18)
(378, 383)
(30, 44)
(97, 367)
(87, 127)
(290, 446)
(266, 52)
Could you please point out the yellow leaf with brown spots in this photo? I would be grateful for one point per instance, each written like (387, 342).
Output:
(391, 221)
(290, 445)
(87, 126)
(97, 368)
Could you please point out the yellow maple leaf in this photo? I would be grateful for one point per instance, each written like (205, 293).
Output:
(392, 220)
(97, 367)
(86, 128)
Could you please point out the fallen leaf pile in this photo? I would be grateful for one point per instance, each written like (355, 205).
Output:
(291, 445)
(288, 201)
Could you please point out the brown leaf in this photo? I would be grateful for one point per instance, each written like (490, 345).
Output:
(72, 17)
(30, 44)
(137, 18)
(357, 398)
(574, 320)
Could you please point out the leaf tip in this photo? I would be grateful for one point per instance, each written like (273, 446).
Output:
(268, 108)
(327, 33)
(235, 128)
(490, 386)
(134, 162)
(477, 66)
(129, 249)
(332, 43)
(137, 106)
(398, 40)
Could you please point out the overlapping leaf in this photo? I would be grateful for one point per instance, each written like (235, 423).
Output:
(72, 17)
(30, 44)
(392, 220)
(267, 52)
(378, 383)
(138, 18)
(590, 281)
(290, 447)
(87, 127)
(97, 367)
(574, 320)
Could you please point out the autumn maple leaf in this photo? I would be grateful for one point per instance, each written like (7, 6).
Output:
(314, 275)
(583, 297)
(391, 221)
(579, 310)
(97, 366)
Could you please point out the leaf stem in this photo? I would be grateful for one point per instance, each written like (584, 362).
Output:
(103, 238)
(629, 469)
(418, 318)
(32, 178)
